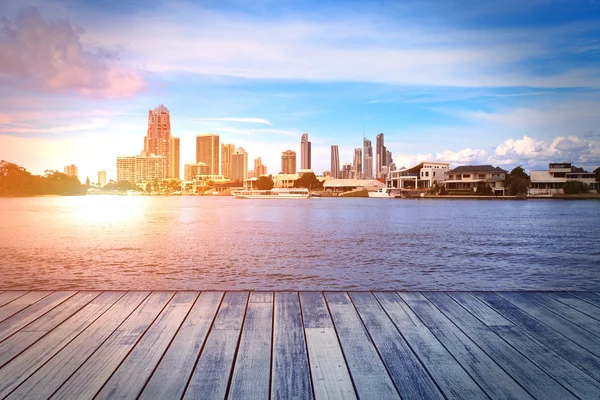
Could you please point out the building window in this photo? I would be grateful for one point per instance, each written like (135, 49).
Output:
(427, 173)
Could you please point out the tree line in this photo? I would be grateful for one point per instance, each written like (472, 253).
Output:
(16, 181)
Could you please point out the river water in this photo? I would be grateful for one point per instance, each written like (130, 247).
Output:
(116, 242)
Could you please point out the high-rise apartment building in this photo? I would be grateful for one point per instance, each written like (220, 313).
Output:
(72, 170)
(102, 178)
(346, 171)
(158, 139)
(288, 162)
(239, 165)
(191, 170)
(335, 162)
(367, 159)
(259, 168)
(357, 164)
(305, 156)
(227, 150)
(126, 168)
(207, 151)
(380, 155)
(141, 168)
(174, 163)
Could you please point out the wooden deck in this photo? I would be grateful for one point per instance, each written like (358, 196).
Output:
(284, 345)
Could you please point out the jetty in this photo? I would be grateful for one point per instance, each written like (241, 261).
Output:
(299, 345)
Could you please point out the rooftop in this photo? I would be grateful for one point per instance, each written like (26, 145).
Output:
(477, 168)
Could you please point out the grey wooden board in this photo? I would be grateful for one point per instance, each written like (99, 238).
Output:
(172, 373)
(570, 330)
(590, 297)
(482, 368)
(449, 375)
(407, 371)
(369, 374)
(252, 371)
(7, 297)
(577, 317)
(16, 371)
(31, 313)
(211, 375)
(330, 375)
(48, 378)
(577, 303)
(570, 351)
(261, 297)
(290, 369)
(522, 369)
(21, 303)
(95, 371)
(480, 310)
(28, 335)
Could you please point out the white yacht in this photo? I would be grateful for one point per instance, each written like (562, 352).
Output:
(298, 193)
(383, 193)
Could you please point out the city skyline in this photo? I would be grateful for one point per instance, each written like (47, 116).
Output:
(504, 84)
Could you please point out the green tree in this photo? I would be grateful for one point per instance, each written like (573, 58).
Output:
(309, 181)
(517, 181)
(575, 187)
(597, 172)
(87, 181)
(484, 190)
(265, 183)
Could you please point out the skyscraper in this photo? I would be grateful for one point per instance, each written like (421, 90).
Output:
(380, 155)
(227, 150)
(357, 163)
(207, 151)
(335, 162)
(101, 178)
(346, 171)
(158, 138)
(305, 152)
(259, 168)
(72, 170)
(288, 162)
(367, 159)
(239, 165)
(174, 161)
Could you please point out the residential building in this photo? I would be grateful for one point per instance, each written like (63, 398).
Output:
(239, 165)
(284, 180)
(552, 181)
(126, 169)
(259, 168)
(207, 151)
(335, 161)
(72, 170)
(158, 138)
(288, 162)
(191, 170)
(367, 159)
(346, 171)
(357, 164)
(469, 177)
(174, 163)
(380, 155)
(102, 178)
(141, 168)
(227, 150)
(421, 176)
(305, 156)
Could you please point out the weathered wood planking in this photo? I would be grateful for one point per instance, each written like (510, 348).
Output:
(571, 377)
(577, 317)
(170, 378)
(290, 371)
(368, 371)
(590, 297)
(330, 375)
(482, 368)
(7, 297)
(452, 379)
(21, 303)
(577, 303)
(211, 375)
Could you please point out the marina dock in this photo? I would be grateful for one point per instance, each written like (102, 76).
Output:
(299, 345)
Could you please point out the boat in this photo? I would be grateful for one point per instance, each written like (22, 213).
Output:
(272, 194)
(383, 193)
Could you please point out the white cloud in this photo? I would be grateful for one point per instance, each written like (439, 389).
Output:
(237, 119)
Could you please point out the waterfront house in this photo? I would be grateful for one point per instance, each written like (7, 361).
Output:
(552, 181)
(421, 176)
(469, 177)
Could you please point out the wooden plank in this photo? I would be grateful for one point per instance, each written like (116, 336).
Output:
(170, 378)
(522, 369)
(570, 330)
(369, 374)
(572, 378)
(330, 375)
(211, 375)
(28, 335)
(131, 375)
(482, 368)
(31, 313)
(252, 370)
(578, 304)
(21, 303)
(7, 297)
(405, 368)
(49, 377)
(570, 351)
(567, 312)
(480, 310)
(590, 297)
(451, 378)
(291, 374)
(261, 297)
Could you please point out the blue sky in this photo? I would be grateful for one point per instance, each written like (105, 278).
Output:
(507, 83)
